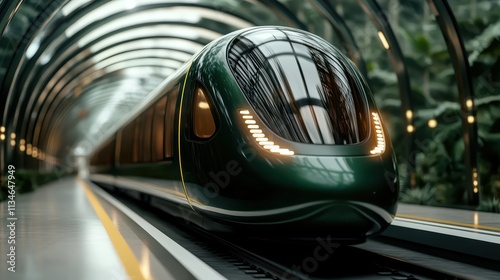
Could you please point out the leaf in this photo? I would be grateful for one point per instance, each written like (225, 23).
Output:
(458, 150)
(481, 42)
(421, 44)
(439, 110)
(487, 100)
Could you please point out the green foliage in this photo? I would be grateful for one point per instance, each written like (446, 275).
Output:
(422, 196)
(490, 204)
(27, 180)
(480, 45)
(440, 151)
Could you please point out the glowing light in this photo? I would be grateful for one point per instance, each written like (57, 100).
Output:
(275, 149)
(432, 123)
(410, 128)
(470, 119)
(22, 141)
(12, 143)
(409, 114)
(380, 148)
(286, 152)
(2, 129)
(475, 178)
(476, 218)
(469, 103)
(383, 40)
(22, 148)
(260, 136)
(2, 136)
(12, 135)
(203, 105)
(475, 190)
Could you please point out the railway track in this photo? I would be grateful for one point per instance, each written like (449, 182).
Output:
(319, 260)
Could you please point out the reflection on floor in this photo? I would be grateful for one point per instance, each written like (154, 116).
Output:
(59, 236)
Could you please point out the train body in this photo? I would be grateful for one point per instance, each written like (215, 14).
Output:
(267, 131)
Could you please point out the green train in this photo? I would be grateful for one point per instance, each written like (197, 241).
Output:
(267, 131)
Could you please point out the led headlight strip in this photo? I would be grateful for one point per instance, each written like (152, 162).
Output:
(380, 148)
(260, 137)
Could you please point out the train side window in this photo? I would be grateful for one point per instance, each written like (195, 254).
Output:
(127, 144)
(146, 134)
(118, 145)
(203, 119)
(103, 156)
(170, 121)
(137, 140)
(159, 128)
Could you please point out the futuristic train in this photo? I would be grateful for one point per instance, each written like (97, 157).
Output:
(267, 131)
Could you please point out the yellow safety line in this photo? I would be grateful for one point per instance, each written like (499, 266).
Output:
(179, 137)
(124, 252)
(448, 222)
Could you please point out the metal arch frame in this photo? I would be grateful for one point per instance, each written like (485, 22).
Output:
(286, 15)
(346, 37)
(24, 76)
(196, 41)
(105, 48)
(104, 83)
(372, 9)
(45, 77)
(95, 4)
(56, 104)
(58, 119)
(458, 54)
(49, 10)
(51, 95)
(92, 5)
(56, 68)
(17, 58)
(184, 38)
(6, 16)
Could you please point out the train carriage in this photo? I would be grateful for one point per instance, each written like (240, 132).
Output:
(268, 131)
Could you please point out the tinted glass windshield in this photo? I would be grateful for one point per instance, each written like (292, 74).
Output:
(302, 88)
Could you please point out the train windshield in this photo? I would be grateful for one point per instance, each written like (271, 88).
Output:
(302, 88)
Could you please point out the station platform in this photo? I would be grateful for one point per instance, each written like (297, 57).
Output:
(65, 230)
(468, 232)
(71, 229)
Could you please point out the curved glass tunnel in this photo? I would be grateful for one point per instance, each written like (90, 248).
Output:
(71, 70)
